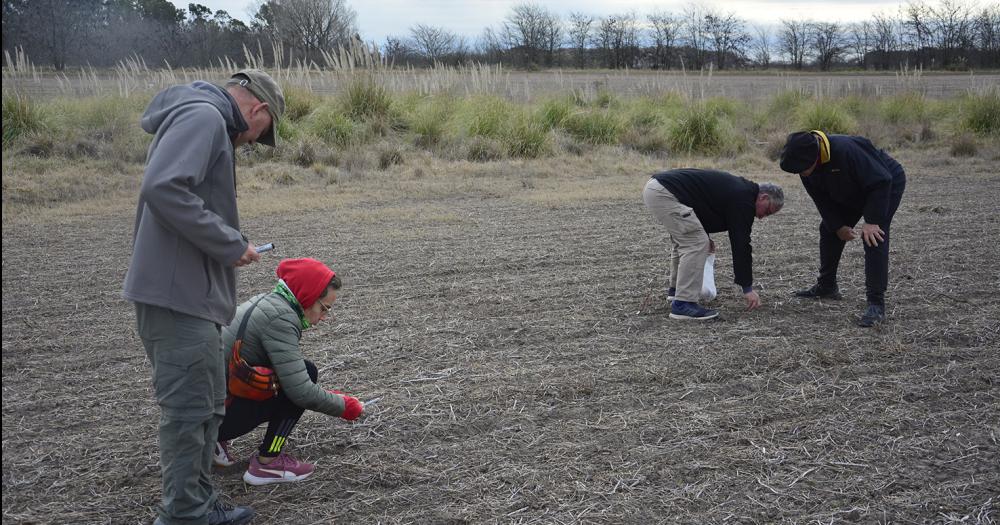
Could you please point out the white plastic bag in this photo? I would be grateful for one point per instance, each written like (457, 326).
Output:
(708, 291)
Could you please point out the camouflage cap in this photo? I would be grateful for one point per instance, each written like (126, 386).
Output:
(266, 90)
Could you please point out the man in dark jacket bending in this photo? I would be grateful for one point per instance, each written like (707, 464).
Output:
(848, 178)
(690, 204)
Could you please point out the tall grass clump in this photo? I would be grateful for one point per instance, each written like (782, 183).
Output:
(20, 117)
(428, 120)
(904, 108)
(483, 116)
(526, 137)
(329, 123)
(826, 116)
(554, 111)
(595, 126)
(981, 113)
(787, 103)
(702, 130)
(366, 99)
(299, 102)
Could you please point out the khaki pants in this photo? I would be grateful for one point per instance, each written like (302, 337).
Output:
(190, 381)
(687, 237)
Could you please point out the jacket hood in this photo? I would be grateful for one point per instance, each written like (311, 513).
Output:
(168, 100)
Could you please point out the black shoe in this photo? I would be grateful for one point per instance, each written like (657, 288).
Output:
(224, 514)
(873, 315)
(818, 291)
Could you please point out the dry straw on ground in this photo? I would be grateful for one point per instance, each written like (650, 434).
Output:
(518, 383)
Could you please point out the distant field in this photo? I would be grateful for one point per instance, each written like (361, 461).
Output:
(528, 86)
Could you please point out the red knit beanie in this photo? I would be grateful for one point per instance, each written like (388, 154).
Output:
(307, 278)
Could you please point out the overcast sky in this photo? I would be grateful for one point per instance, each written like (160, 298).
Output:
(379, 18)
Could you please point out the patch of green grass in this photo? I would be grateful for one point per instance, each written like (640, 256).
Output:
(483, 116)
(904, 108)
(21, 116)
(329, 123)
(595, 126)
(366, 99)
(827, 116)
(299, 102)
(702, 130)
(428, 120)
(604, 98)
(525, 137)
(554, 111)
(786, 103)
(981, 113)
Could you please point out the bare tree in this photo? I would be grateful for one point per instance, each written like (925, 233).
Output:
(828, 43)
(491, 46)
(987, 30)
(916, 24)
(533, 31)
(694, 35)
(432, 43)
(860, 34)
(760, 47)
(619, 39)
(952, 30)
(664, 31)
(885, 40)
(578, 36)
(792, 40)
(396, 50)
(726, 37)
(309, 26)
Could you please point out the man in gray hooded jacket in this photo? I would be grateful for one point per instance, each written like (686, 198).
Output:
(182, 278)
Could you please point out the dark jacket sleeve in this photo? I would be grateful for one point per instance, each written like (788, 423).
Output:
(875, 181)
(740, 225)
(824, 204)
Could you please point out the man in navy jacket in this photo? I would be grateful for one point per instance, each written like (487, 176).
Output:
(848, 178)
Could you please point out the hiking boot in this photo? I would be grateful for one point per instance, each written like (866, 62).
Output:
(874, 314)
(283, 469)
(818, 291)
(671, 294)
(692, 311)
(225, 514)
(222, 458)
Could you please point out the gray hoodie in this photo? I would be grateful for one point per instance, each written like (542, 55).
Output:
(186, 225)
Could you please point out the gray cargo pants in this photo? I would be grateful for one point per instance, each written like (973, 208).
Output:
(687, 237)
(190, 383)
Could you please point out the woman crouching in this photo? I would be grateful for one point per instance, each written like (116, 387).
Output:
(269, 380)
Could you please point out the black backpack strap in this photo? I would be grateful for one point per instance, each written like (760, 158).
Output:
(246, 319)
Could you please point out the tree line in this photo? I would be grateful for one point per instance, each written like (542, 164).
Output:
(948, 34)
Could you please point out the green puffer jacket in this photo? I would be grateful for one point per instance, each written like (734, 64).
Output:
(272, 340)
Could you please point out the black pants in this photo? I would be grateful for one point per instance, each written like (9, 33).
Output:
(876, 258)
(281, 415)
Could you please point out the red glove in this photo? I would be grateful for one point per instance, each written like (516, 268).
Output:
(352, 408)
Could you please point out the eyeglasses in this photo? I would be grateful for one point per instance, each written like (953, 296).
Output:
(326, 308)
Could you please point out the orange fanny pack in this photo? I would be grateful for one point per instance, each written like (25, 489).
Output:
(257, 383)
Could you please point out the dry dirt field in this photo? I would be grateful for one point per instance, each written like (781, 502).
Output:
(501, 312)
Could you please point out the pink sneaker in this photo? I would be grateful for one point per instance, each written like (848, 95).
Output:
(283, 469)
(222, 458)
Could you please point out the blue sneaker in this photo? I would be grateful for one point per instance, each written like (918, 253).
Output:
(689, 310)
(671, 294)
